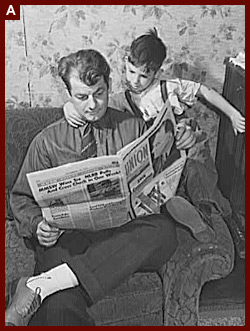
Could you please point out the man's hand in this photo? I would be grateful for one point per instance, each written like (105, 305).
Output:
(46, 234)
(185, 136)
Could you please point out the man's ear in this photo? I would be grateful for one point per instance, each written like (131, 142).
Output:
(66, 95)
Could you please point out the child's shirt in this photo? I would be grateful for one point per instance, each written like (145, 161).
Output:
(181, 93)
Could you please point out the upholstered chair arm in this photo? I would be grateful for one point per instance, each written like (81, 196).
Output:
(193, 264)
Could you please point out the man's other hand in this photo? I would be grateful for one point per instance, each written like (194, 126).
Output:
(185, 136)
(46, 234)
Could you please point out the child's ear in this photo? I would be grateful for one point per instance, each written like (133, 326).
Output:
(126, 60)
(110, 85)
(158, 73)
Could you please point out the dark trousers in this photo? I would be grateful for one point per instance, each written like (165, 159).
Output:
(199, 184)
(101, 261)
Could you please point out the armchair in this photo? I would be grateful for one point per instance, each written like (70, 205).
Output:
(167, 298)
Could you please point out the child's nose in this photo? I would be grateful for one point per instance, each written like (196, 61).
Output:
(137, 79)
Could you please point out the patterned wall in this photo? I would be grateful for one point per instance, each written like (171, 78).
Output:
(198, 36)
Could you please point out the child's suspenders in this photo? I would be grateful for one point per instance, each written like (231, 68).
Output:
(164, 91)
(136, 110)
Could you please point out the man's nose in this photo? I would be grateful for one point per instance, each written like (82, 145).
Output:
(92, 102)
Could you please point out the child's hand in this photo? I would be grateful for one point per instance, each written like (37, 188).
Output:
(238, 122)
(71, 115)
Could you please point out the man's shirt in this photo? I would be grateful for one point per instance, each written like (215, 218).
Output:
(60, 144)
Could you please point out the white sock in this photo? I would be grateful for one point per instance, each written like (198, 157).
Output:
(54, 280)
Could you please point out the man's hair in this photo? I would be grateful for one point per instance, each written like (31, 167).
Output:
(148, 50)
(88, 64)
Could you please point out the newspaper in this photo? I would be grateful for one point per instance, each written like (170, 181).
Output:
(109, 191)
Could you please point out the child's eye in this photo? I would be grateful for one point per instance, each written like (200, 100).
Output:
(99, 93)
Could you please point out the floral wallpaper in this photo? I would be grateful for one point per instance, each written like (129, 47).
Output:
(198, 37)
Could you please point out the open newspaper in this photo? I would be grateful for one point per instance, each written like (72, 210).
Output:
(109, 191)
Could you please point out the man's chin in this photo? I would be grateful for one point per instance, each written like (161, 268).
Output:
(94, 118)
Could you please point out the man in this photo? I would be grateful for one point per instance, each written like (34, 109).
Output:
(74, 269)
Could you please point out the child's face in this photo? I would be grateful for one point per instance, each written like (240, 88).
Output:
(138, 78)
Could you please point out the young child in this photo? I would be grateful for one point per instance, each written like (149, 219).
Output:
(146, 93)
(148, 90)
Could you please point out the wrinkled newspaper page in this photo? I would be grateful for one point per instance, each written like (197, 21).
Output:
(153, 165)
(83, 195)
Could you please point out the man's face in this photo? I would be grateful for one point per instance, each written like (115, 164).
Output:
(91, 102)
(138, 78)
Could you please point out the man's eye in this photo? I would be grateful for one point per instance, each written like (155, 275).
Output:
(82, 97)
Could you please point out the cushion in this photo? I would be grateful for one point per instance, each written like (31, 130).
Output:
(21, 125)
(138, 301)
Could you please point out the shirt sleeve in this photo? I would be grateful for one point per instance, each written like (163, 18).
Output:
(182, 91)
(187, 91)
(26, 211)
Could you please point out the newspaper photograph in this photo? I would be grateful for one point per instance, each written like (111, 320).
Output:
(109, 191)
(153, 165)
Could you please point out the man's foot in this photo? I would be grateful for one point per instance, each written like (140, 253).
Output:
(24, 304)
(185, 213)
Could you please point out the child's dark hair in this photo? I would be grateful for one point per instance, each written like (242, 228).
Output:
(148, 50)
(88, 64)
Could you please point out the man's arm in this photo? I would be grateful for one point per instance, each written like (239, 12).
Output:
(25, 209)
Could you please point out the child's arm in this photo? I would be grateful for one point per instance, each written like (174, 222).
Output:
(71, 115)
(238, 121)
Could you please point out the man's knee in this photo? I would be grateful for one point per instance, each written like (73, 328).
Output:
(161, 239)
(163, 227)
(49, 258)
